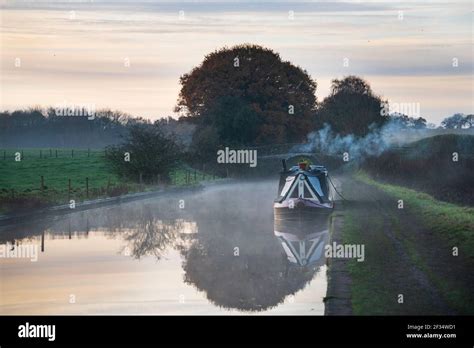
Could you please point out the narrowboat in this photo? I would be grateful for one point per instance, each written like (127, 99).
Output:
(304, 188)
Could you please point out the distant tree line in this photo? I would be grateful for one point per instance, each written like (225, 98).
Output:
(458, 121)
(39, 128)
(36, 127)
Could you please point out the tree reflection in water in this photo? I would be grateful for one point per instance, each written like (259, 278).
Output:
(248, 282)
(153, 236)
(255, 277)
(236, 261)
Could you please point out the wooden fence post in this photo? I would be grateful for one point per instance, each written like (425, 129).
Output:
(42, 241)
(87, 187)
(72, 153)
(56, 153)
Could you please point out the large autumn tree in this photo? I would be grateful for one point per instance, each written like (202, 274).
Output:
(249, 86)
(352, 107)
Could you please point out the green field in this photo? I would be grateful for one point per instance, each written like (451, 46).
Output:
(88, 173)
(26, 174)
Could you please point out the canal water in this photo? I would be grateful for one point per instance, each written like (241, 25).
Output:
(215, 251)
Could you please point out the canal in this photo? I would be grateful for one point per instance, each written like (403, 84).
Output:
(215, 251)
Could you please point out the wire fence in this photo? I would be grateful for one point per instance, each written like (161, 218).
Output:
(20, 154)
(63, 181)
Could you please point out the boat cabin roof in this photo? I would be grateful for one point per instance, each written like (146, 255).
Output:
(316, 182)
(313, 170)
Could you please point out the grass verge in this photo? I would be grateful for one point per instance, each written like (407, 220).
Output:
(368, 296)
(456, 223)
(452, 226)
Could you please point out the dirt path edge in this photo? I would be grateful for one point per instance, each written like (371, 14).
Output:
(338, 296)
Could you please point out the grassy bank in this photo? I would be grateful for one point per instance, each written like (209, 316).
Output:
(408, 251)
(43, 176)
(456, 223)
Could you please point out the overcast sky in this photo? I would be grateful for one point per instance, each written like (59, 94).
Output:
(80, 57)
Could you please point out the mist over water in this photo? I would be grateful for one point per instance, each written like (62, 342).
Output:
(216, 255)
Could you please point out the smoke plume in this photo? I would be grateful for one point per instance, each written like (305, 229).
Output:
(379, 139)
